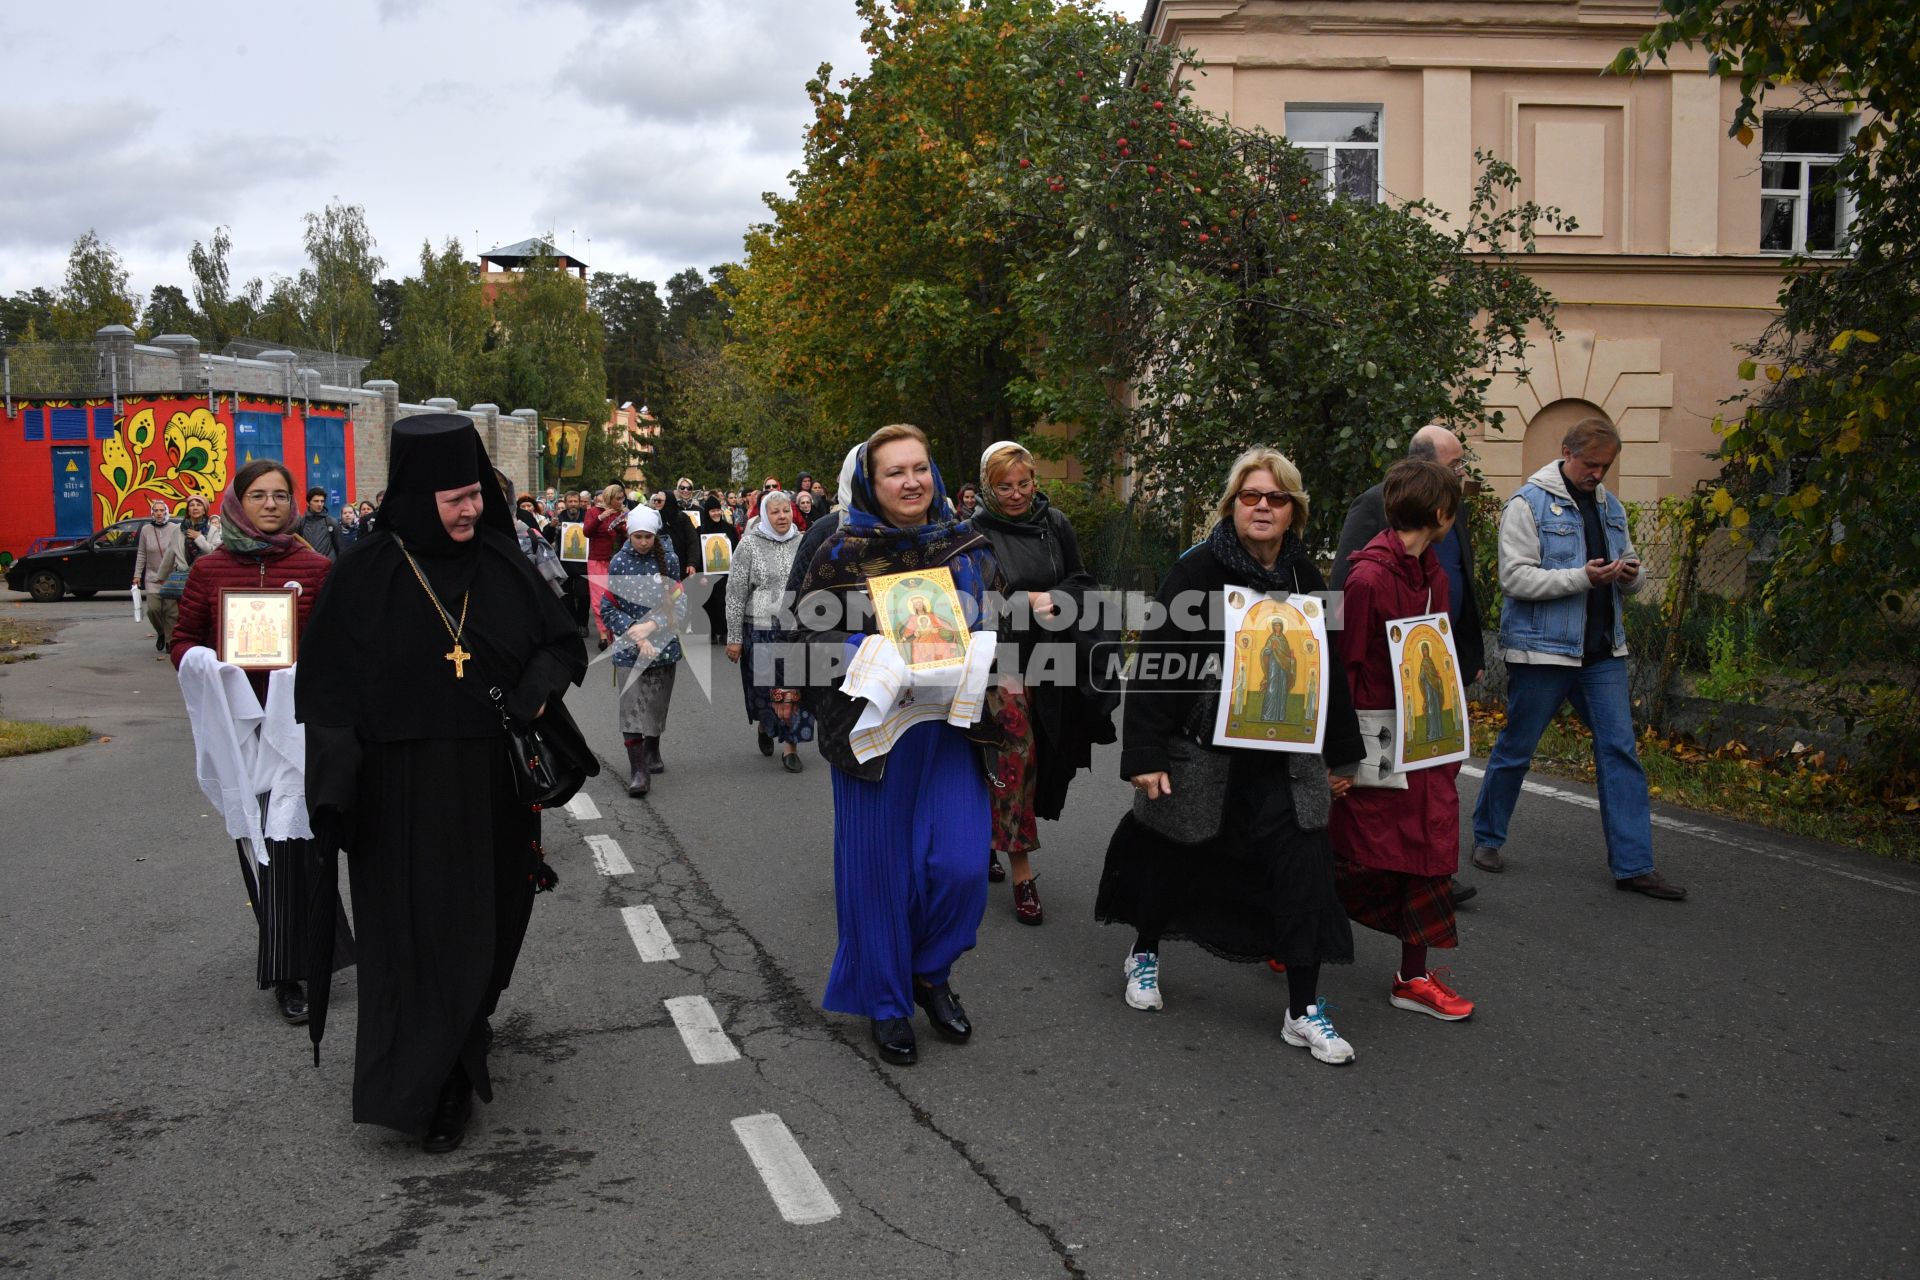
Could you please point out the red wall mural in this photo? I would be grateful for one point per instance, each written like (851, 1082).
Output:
(60, 458)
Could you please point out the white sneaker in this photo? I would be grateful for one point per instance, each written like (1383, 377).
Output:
(1143, 980)
(1315, 1034)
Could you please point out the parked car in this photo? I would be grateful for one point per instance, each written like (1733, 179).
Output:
(102, 562)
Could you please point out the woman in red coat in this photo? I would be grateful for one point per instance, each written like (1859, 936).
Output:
(1396, 851)
(606, 530)
(258, 549)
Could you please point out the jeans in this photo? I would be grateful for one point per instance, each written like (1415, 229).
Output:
(1598, 691)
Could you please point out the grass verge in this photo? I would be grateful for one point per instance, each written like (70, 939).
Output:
(15, 639)
(26, 737)
(1793, 793)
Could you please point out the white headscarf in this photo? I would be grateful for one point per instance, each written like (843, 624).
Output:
(643, 520)
(846, 477)
(764, 529)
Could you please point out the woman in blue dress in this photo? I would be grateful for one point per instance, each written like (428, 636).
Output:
(910, 827)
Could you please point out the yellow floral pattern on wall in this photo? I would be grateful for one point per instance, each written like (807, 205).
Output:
(141, 462)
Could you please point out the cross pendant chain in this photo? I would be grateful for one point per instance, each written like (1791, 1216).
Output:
(458, 658)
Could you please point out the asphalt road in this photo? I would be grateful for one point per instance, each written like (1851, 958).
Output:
(1725, 1087)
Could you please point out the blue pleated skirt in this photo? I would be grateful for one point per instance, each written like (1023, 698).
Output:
(909, 871)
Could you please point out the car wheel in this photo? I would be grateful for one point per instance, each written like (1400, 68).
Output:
(85, 595)
(45, 586)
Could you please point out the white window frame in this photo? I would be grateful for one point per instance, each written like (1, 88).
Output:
(1331, 149)
(1802, 196)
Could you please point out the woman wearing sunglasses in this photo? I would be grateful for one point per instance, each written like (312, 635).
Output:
(1250, 876)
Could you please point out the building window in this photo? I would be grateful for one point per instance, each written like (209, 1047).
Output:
(1344, 144)
(1797, 156)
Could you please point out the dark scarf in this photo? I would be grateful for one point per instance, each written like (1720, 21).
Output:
(240, 536)
(1241, 566)
(988, 516)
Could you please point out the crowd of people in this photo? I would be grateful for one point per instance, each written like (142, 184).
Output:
(950, 728)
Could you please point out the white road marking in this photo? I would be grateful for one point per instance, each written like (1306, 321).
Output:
(700, 1030)
(609, 856)
(582, 808)
(796, 1189)
(1708, 834)
(650, 937)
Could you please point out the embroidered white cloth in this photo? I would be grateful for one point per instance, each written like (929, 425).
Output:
(250, 761)
(898, 697)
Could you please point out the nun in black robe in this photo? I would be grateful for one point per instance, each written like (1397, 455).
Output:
(408, 772)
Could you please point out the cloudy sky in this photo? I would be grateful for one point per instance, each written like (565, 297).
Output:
(640, 132)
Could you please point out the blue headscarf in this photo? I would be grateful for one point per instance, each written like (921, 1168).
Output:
(866, 544)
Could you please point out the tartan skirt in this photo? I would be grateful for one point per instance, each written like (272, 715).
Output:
(1415, 909)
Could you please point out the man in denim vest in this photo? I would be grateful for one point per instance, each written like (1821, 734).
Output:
(1565, 561)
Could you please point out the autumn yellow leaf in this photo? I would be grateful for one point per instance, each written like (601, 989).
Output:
(1722, 502)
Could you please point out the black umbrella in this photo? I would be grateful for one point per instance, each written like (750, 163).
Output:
(326, 926)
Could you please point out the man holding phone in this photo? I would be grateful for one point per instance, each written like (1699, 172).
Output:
(1563, 538)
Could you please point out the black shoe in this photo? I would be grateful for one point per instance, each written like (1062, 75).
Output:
(894, 1038)
(995, 872)
(766, 743)
(1654, 885)
(791, 762)
(654, 763)
(448, 1128)
(160, 644)
(638, 783)
(292, 1002)
(943, 1011)
(1462, 892)
(1488, 858)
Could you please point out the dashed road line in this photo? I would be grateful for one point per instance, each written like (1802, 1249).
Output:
(649, 936)
(796, 1189)
(1708, 834)
(609, 856)
(582, 808)
(700, 1030)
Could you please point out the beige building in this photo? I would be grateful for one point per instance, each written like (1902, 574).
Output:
(1677, 257)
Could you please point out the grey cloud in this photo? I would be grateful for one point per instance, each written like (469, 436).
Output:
(64, 169)
(696, 219)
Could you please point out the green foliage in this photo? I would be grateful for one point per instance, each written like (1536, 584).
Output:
(1734, 664)
(26, 309)
(632, 314)
(440, 336)
(224, 314)
(336, 289)
(549, 356)
(1018, 216)
(168, 311)
(719, 403)
(1820, 465)
(94, 293)
(1202, 266)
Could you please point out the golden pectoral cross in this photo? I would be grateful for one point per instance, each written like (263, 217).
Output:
(458, 658)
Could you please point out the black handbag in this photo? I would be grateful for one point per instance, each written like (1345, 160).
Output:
(549, 757)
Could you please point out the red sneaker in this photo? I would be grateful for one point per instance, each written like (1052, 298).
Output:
(1276, 966)
(1429, 995)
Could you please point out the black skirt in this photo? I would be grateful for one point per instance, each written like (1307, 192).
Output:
(1261, 890)
(442, 865)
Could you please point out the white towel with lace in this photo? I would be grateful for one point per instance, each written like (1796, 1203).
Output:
(899, 697)
(250, 761)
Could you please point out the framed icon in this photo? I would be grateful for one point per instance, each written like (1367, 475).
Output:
(1274, 695)
(259, 627)
(573, 543)
(716, 553)
(1429, 696)
(920, 612)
